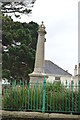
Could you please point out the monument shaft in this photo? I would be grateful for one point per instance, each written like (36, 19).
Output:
(39, 59)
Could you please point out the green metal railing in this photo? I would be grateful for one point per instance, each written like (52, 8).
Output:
(46, 97)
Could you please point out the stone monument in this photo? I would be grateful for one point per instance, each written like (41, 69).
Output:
(39, 73)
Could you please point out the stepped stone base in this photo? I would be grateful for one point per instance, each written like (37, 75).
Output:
(37, 76)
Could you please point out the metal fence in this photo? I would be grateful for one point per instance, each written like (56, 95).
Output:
(46, 97)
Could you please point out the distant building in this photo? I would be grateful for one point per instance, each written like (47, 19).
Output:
(56, 73)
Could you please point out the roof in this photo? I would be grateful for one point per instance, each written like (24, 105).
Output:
(51, 68)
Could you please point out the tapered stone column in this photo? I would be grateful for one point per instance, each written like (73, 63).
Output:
(39, 73)
(39, 59)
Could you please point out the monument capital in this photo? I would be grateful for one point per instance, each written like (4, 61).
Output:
(42, 28)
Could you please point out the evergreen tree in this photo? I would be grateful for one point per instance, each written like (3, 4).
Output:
(19, 45)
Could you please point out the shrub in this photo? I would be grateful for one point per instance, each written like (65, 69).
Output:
(58, 98)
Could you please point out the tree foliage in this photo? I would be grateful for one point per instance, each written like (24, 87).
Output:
(19, 44)
(17, 7)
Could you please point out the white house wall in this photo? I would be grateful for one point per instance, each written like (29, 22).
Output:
(76, 80)
(66, 78)
(63, 79)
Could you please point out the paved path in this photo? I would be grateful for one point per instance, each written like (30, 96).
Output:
(36, 116)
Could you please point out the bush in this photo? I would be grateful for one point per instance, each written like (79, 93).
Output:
(58, 98)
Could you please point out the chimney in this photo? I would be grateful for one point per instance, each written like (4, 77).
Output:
(66, 70)
(75, 70)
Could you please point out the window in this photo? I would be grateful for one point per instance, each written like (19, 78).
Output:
(57, 78)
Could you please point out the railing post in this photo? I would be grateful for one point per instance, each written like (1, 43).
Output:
(72, 96)
(76, 97)
(66, 98)
(69, 96)
(40, 98)
(31, 93)
(34, 98)
(79, 95)
(37, 94)
(44, 94)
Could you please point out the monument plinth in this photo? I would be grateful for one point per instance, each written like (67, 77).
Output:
(39, 73)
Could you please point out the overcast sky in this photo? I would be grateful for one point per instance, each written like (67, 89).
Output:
(61, 20)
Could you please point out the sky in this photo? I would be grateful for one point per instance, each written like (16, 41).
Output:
(61, 21)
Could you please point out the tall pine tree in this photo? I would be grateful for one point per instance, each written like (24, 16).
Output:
(18, 52)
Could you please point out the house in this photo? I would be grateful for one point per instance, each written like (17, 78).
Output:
(56, 73)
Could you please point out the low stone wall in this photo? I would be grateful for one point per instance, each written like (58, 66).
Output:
(16, 115)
